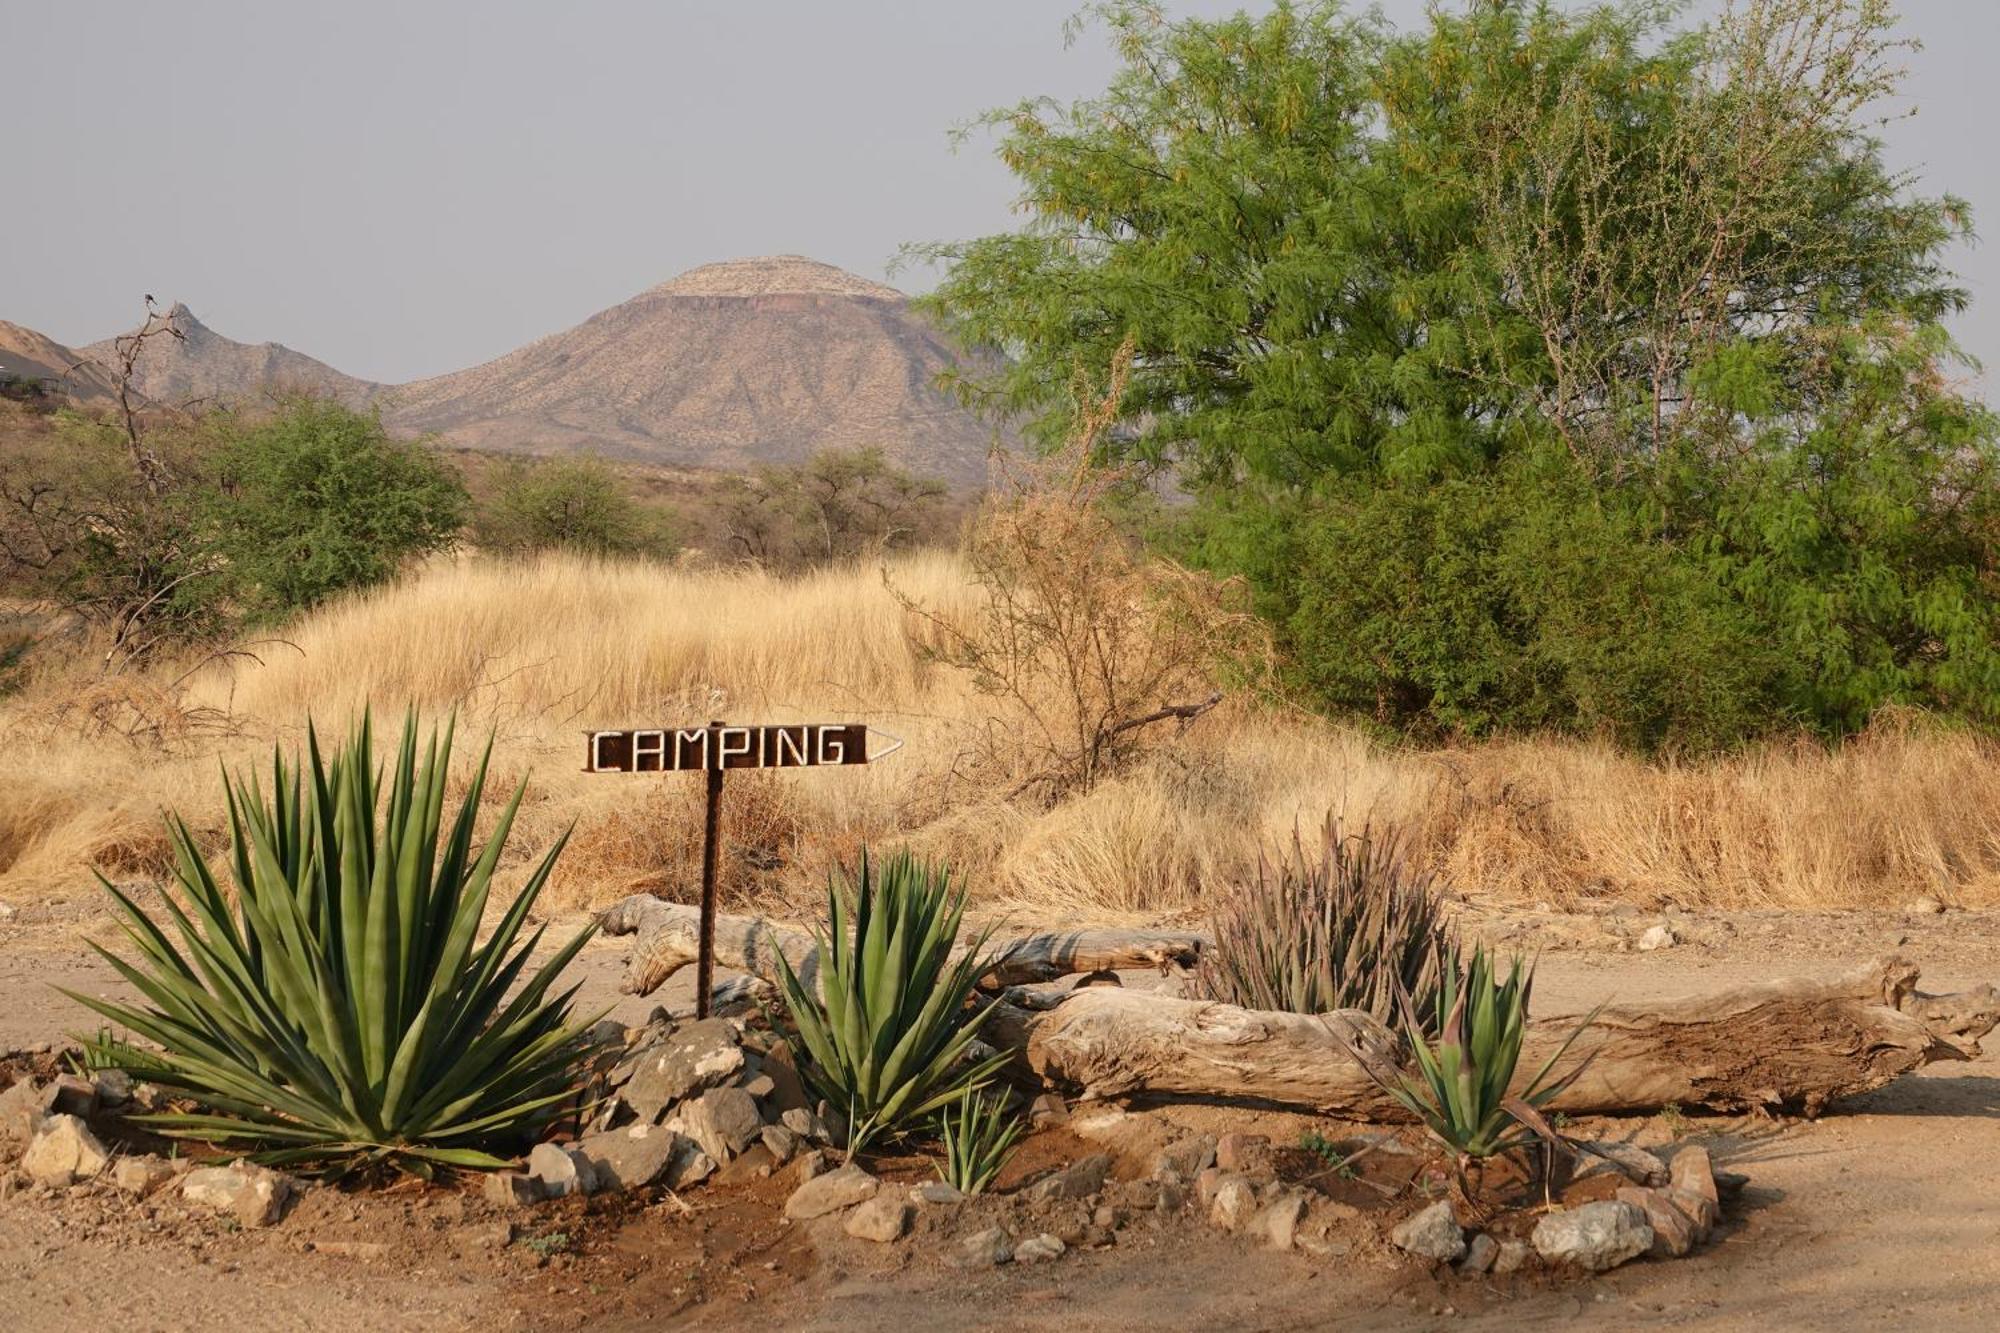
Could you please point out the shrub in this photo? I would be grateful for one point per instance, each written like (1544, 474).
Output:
(1346, 924)
(571, 504)
(886, 1035)
(978, 1134)
(342, 1014)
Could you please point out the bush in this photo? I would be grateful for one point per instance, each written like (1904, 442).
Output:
(341, 1013)
(978, 1134)
(1348, 924)
(886, 1032)
(571, 504)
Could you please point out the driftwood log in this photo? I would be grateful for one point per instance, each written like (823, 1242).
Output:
(1779, 1045)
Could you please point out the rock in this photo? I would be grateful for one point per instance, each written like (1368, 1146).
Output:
(20, 1110)
(1104, 1123)
(1233, 1202)
(807, 1165)
(1047, 1109)
(511, 1189)
(607, 1033)
(1674, 1232)
(1206, 1182)
(143, 1174)
(934, 1194)
(753, 1163)
(1243, 1152)
(62, 1152)
(1594, 1237)
(690, 1167)
(781, 1143)
(1039, 1249)
(805, 1124)
(1658, 937)
(1925, 906)
(561, 1170)
(1729, 1184)
(883, 1218)
(724, 1121)
(1185, 1158)
(114, 1087)
(1277, 1222)
(70, 1095)
(639, 1154)
(1513, 1256)
(254, 1196)
(1480, 1252)
(1691, 1170)
(692, 1059)
(788, 1090)
(1079, 1180)
(986, 1249)
(830, 1193)
(759, 1085)
(1634, 1162)
(485, 1236)
(1704, 1212)
(1432, 1234)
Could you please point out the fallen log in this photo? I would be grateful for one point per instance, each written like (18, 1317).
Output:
(1785, 1045)
(1778, 1045)
(669, 935)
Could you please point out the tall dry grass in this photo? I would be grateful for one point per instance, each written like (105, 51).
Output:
(543, 651)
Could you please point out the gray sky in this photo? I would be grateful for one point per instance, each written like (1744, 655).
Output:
(403, 189)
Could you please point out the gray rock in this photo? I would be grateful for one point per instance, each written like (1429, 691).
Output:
(1277, 1222)
(561, 1170)
(1674, 1232)
(639, 1154)
(1925, 906)
(511, 1189)
(254, 1196)
(20, 1111)
(1729, 1184)
(883, 1218)
(1513, 1256)
(143, 1174)
(1432, 1234)
(1039, 1249)
(934, 1194)
(692, 1059)
(1047, 1109)
(1704, 1212)
(608, 1032)
(807, 1165)
(1594, 1237)
(1079, 1180)
(805, 1124)
(1658, 937)
(830, 1193)
(1185, 1158)
(1233, 1202)
(1480, 1252)
(788, 1090)
(986, 1249)
(114, 1087)
(63, 1152)
(724, 1121)
(1693, 1171)
(1634, 1162)
(70, 1095)
(691, 1167)
(780, 1142)
(759, 1085)
(1243, 1152)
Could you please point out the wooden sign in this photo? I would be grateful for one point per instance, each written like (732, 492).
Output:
(714, 749)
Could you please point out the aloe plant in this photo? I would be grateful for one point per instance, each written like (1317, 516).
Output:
(1347, 923)
(978, 1134)
(343, 1013)
(887, 1034)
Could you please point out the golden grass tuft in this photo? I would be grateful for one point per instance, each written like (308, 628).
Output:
(542, 651)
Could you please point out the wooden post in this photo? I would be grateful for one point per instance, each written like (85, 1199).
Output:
(710, 847)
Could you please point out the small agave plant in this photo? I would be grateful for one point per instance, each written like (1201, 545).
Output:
(341, 1012)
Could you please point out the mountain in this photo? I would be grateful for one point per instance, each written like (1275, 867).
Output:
(28, 355)
(202, 366)
(750, 361)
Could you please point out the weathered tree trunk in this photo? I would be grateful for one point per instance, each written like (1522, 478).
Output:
(668, 941)
(1791, 1044)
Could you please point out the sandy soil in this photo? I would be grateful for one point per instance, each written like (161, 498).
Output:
(1885, 1213)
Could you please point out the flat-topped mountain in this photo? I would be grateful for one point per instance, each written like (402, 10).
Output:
(202, 366)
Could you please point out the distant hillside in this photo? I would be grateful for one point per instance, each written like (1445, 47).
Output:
(202, 366)
(757, 360)
(28, 355)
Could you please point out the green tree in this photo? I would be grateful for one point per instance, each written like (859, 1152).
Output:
(317, 499)
(837, 505)
(570, 504)
(1521, 275)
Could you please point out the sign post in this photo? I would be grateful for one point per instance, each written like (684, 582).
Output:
(713, 750)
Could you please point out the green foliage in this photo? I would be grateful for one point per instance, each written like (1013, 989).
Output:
(571, 504)
(883, 1020)
(317, 500)
(342, 1013)
(837, 505)
(1541, 368)
(1460, 1086)
(978, 1134)
(1347, 924)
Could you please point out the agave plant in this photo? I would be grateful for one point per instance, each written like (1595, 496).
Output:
(978, 1134)
(886, 1034)
(342, 1013)
(1346, 924)
(1461, 1086)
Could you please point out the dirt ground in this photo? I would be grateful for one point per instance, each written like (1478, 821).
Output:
(1885, 1213)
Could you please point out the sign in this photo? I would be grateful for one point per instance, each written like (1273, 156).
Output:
(715, 749)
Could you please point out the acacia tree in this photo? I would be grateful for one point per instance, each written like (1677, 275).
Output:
(1358, 265)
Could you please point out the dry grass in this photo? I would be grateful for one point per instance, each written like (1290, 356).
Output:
(541, 652)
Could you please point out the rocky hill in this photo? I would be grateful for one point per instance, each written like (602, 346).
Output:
(28, 355)
(202, 366)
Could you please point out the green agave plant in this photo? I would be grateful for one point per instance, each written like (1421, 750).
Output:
(342, 1014)
(978, 1134)
(887, 1032)
(1460, 1087)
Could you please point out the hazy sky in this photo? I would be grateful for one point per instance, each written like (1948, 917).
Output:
(403, 188)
